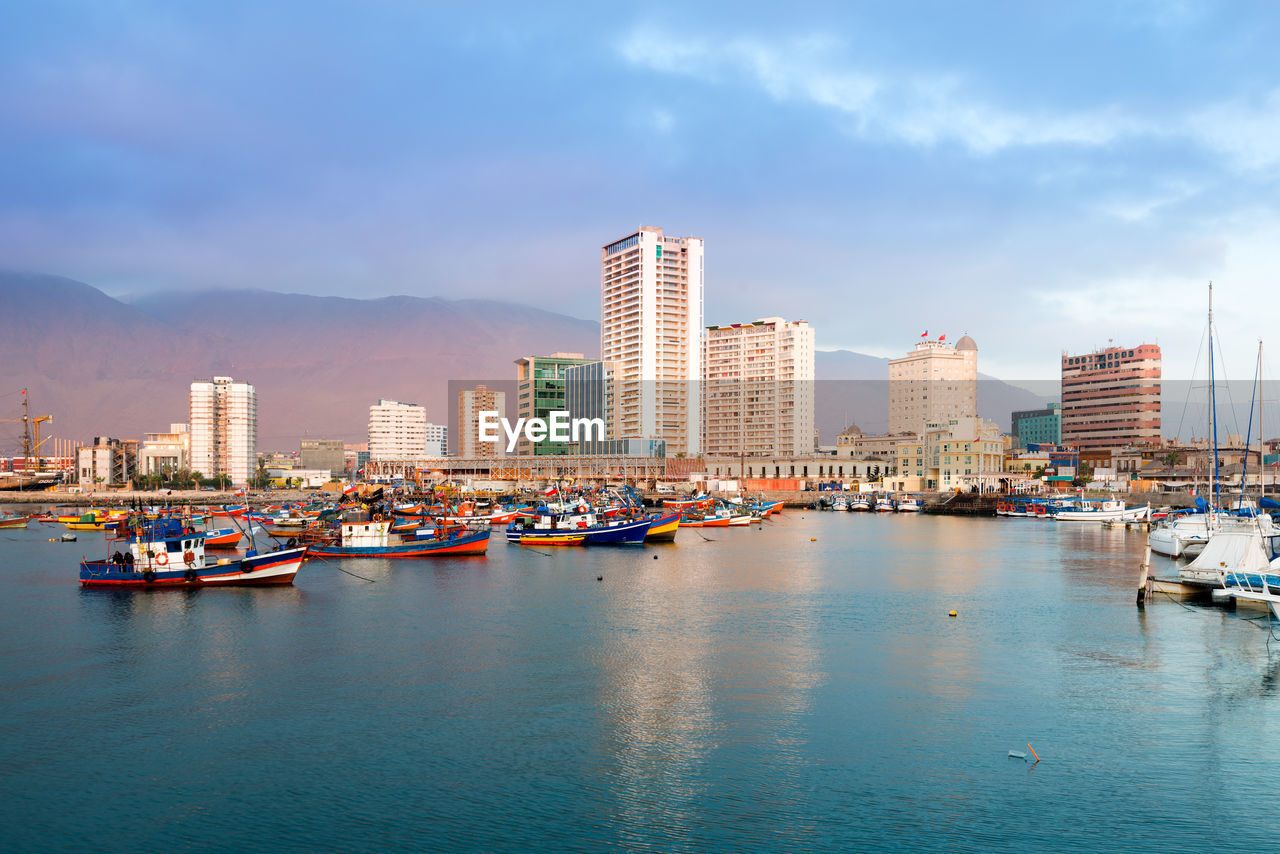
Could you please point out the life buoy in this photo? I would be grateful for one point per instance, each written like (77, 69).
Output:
(162, 558)
(189, 557)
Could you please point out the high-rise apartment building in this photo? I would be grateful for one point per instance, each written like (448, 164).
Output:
(471, 402)
(224, 429)
(1110, 398)
(935, 382)
(758, 389)
(397, 431)
(540, 391)
(651, 328)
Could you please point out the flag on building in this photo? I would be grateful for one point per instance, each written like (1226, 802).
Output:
(924, 334)
(942, 337)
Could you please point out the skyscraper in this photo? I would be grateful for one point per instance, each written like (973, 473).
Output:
(397, 431)
(934, 383)
(1110, 398)
(471, 402)
(758, 388)
(651, 329)
(224, 429)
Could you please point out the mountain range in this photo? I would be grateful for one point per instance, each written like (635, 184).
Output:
(121, 367)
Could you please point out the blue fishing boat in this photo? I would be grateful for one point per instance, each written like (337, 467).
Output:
(168, 553)
(621, 532)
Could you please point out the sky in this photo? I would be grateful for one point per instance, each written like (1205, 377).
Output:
(1040, 176)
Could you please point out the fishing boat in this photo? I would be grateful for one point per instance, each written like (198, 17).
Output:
(663, 528)
(531, 539)
(884, 504)
(374, 538)
(859, 504)
(165, 553)
(14, 521)
(92, 521)
(597, 532)
(1101, 510)
(222, 538)
(705, 520)
(840, 504)
(910, 504)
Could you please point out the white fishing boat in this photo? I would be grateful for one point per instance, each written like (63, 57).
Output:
(860, 504)
(840, 503)
(910, 504)
(884, 504)
(1102, 510)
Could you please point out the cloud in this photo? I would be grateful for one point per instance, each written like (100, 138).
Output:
(920, 110)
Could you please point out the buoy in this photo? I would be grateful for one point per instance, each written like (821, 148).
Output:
(1033, 753)
(599, 578)
(952, 614)
(655, 557)
(813, 539)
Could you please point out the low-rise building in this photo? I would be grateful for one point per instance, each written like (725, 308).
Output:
(165, 453)
(107, 462)
(808, 468)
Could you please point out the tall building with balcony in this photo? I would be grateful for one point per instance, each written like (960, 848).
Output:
(224, 429)
(650, 328)
(758, 389)
(471, 402)
(397, 431)
(540, 390)
(1110, 399)
(935, 382)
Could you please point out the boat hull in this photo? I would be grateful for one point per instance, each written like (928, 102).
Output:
(475, 543)
(663, 529)
(260, 570)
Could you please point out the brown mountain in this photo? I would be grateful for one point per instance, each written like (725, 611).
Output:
(102, 366)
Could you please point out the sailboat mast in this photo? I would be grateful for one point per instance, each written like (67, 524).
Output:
(1213, 404)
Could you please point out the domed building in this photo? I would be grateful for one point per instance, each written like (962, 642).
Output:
(936, 382)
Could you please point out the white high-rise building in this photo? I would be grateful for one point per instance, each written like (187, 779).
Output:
(651, 329)
(934, 383)
(224, 429)
(759, 389)
(397, 431)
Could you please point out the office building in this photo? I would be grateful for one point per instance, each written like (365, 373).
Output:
(1110, 399)
(589, 393)
(1038, 426)
(540, 391)
(437, 440)
(758, 389)
(650, 328)
(933, 383)
(322, 455)
(224, 429)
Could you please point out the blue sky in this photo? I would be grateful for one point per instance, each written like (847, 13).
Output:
(1041, 176)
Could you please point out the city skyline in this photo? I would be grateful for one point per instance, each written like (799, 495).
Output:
(1077, 167)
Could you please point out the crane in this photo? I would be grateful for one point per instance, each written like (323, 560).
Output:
(28, 445)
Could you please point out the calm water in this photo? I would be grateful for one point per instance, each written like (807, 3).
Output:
(758, 692)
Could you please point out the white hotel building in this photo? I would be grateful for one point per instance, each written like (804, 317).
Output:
(397, 431)
(650, 329)
(224, 429)
(934, 383)
(759, 393)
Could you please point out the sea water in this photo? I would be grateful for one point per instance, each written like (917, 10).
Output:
(796, 685)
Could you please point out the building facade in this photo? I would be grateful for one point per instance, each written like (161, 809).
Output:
(224, 429)
(323, 455)
(650, 328)
(165, 453)
(107, 462)
(589, 393)
(397, 431)
(471, 402)
(758, 389)
(437, 440)
(1110, 399)
(1037, 426)
(853, 443)
(541, 390)
(933, 383)
(957, 454)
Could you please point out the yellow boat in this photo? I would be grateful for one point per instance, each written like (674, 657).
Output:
(555, 540)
